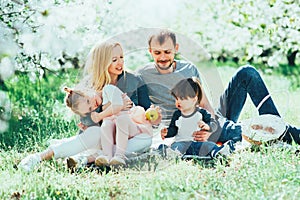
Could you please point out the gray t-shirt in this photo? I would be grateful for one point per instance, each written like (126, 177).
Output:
(159, 85)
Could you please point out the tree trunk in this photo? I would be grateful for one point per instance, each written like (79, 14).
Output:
(292, 57)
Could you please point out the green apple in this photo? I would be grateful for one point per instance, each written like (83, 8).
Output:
(151, 114)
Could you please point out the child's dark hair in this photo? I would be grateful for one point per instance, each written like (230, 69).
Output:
(189, 87)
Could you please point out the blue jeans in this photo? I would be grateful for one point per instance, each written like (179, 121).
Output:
(191, 148)
(247, 80)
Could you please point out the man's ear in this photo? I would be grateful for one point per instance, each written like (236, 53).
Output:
(150, 50)
(176, 47)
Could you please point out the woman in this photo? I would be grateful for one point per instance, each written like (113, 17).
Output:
(105, 65)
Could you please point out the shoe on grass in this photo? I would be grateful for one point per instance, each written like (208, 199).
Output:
(117, 160)
(76, 162)
(226, 149)
(29, 162)
(102, 160)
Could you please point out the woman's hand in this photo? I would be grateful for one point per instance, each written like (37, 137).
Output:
(158, 120)
(127, 103)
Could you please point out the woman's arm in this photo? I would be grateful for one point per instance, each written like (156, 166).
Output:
(143, 95)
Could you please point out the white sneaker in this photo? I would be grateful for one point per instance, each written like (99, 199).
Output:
(117, 160)
(29, 162)
(102, 160)
(228, 148)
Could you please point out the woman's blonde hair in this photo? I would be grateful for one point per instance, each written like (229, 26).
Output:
(100, 59)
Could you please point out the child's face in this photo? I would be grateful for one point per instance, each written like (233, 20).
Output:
(88, 104)
(185, 105)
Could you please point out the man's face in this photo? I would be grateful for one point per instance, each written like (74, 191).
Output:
(163, 54)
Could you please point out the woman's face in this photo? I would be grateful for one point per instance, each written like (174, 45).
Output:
(116, 67)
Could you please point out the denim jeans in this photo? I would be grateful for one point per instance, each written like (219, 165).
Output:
(247, 80)
(181, 146)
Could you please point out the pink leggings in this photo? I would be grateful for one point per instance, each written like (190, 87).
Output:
(123, 128)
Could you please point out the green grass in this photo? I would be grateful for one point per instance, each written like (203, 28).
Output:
(38, 114)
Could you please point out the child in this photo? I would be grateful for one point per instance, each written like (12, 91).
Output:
(81, 103)
(189, 118)
(75, 101)
(120, 127)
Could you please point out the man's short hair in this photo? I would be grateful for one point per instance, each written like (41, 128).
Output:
(161, 37)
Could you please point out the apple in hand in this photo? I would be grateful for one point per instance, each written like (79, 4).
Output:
(151, 114)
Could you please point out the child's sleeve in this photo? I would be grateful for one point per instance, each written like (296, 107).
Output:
(173, 129)
(112, 94)
(206, 116)
(212, 123)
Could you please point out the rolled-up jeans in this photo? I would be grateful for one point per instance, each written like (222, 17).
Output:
(247, 80)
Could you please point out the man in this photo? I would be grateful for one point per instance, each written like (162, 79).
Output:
(165, 72)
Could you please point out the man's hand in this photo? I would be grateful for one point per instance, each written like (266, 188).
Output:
(163, 133)
(203, 134)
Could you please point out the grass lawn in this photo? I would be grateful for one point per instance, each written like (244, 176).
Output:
(257, 173)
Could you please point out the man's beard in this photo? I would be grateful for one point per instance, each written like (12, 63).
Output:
(165, 68)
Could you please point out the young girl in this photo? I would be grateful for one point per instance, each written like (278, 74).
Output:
(189, 118)
(81, 103)
(78, 101)
(120, 127)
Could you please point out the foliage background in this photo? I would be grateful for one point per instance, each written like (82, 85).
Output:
(43, 46)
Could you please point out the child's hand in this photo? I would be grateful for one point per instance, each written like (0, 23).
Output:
(203, 126)
(163, 133)
(95, 117)
(82, 126)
